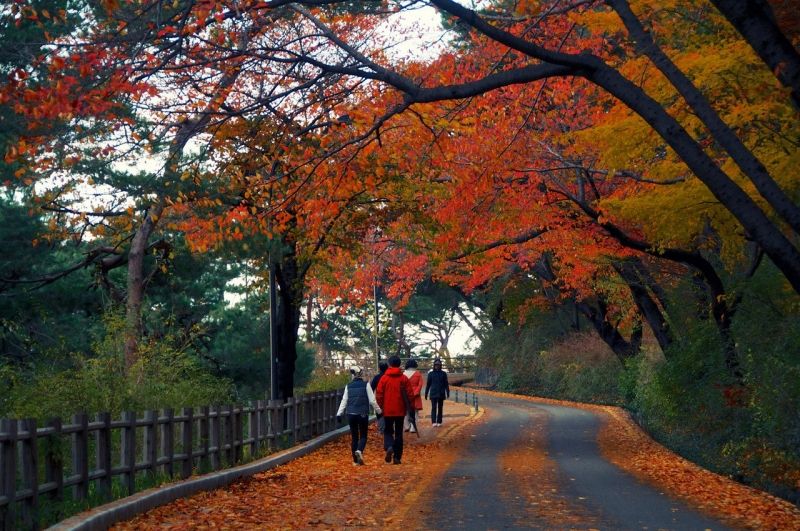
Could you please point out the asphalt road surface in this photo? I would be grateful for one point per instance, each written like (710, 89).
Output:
(491, 486)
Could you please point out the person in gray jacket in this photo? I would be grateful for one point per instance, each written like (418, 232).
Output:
(357, 399)
(438, 389)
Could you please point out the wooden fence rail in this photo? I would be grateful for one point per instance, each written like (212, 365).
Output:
(87, 454)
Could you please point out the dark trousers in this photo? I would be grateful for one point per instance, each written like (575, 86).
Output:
(358, 433)
(437, 410)
(393, 436)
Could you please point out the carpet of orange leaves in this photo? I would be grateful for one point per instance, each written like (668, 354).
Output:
(625, 444)
(322, 489)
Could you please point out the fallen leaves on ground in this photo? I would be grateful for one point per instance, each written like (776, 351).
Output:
(625, 444)
(531, 473)
(321, 490)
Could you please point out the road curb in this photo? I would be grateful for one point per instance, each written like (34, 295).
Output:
(105, 516)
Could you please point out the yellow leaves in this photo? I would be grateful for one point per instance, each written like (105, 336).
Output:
(599, 21)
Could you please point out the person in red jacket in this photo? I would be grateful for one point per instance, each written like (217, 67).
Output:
(415, 378)
(393, 396)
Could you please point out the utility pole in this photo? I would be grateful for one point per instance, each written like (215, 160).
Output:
(273, 336)
(375, 296)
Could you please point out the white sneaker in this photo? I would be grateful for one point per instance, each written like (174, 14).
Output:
(359, 457)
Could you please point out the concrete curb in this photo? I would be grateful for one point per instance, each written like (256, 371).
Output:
(105, 516)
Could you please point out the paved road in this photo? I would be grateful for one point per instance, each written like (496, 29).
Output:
(577, 489)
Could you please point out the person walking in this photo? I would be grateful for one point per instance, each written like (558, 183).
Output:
(438, 388)
(393, 392)
(415, 398)
(382, 366)
(357, 398)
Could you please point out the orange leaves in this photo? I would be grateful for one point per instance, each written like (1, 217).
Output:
(741, 506)
(110, 5)
(322, 489)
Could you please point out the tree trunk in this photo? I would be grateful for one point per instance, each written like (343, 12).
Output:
(136, 279)
(309, 326)
(646, 305)
(759, 227)
(468, 322)
(718, 298)
(289, 310)
(609, 333)
(756, 23)
(403, 348)
(749, 164)
(776, 245)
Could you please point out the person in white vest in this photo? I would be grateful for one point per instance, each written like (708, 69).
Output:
(357, 399)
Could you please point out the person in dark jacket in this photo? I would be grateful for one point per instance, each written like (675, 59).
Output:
(382, 366)
(357, 398)
(438, 389)
(392, 395)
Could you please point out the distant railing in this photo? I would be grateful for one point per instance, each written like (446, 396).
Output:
(466, 397)
(456, 379)
(43, 461)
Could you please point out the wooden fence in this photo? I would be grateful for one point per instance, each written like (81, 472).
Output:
(86, 455)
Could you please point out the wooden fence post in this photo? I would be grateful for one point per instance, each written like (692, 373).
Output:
(216, 436)
(168, 441)
(30, 474)
(187, 441)
(205, 441)
(128, 450)
(253, 427)
(8, 483)
(150, 449)
(326, 408)
(238, 428)
(318, 414)
(307, 418)
(323, 411)
(263, 425)
(54, 460)
(291, 404)
(103, 454)
(80, 455)
(314, 407)
(298, 420)
(230, 434)
(273, 429)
